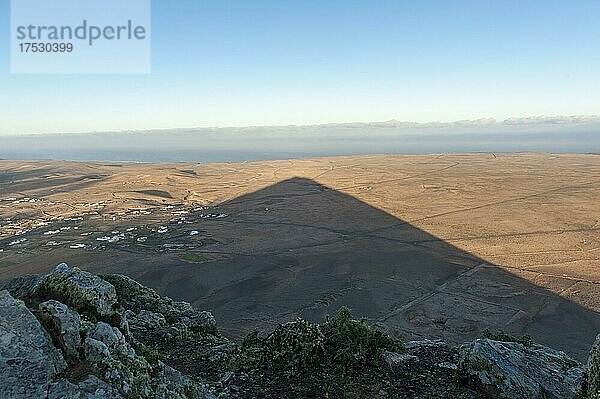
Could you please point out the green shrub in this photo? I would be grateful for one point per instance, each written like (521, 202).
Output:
(295, 345)
(505, 337)
(339, 341)
(351, 342)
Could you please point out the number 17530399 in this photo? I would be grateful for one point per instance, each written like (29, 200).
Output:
(46, 47)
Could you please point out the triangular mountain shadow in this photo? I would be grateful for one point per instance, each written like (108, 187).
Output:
(303, 249)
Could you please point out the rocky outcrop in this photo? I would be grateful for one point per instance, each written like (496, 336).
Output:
(75, 343)
(91, 388)
(513, 370)
(29, 363)
(593, 372)
(80, 290)
(22, 287)
(136, 297)
(72, 334)
(64, 325)
(146, 319)
(171, 384)
(149, 309)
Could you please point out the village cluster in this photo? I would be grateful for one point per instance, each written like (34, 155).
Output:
(160, 228)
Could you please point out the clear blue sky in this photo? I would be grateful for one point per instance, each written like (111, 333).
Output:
(236, 63)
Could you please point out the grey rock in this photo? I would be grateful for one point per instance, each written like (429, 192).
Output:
(91, 388)
(112, 338)
(447, 365)
(148, 320)
(80, 290)
(31, 365)
(512, 370)
(28, 360)
(22, 287)
(194, 319)
(64, 325)
(109, 335)
(593, 372)
(63, 389)
(399, 363)
(178, 331)
(96, 351)
(136, 297)
(173, 384)
(124, 327)
(115, 361)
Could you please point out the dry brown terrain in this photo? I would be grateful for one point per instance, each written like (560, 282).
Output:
(427, 245)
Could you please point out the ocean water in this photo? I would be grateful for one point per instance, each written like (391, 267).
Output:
(236, 145)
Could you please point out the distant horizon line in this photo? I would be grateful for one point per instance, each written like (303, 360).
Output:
(392, 123)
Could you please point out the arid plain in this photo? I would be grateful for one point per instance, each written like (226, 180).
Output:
(425, 245)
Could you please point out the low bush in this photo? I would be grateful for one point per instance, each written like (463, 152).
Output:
(339, 341)
(295, 345)
(349, 342)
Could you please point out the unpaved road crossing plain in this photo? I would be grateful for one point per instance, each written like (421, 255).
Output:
(425, 245)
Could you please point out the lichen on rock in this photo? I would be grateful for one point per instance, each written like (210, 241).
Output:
(78, 314)
(146, 319)
(593, 371)
(80, 290)
(22, 287)
(140, 300)
(513, 370)
(91, 388)
(135, 296)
